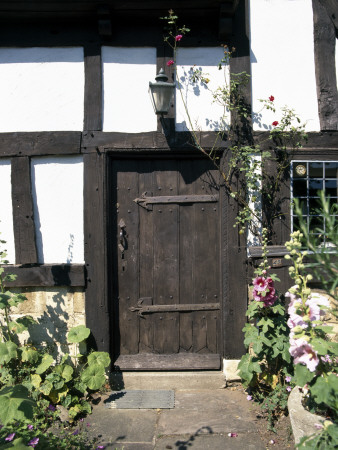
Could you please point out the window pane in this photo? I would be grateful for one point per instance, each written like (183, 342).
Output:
(314, 187)
(299, 188)
(314, 206)
(317, 222)
(316, 170)
(331, 170)
(331, 188)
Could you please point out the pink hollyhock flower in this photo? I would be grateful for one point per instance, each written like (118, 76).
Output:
(170, 62)
(260, 284)
(269, 300)
(232, 434)
(178, 37)
(33, 442)
(256, 296)
(275, 123)
(10, 437)
(271, 98)
(296, 320)
(314, 302)
(303, 353)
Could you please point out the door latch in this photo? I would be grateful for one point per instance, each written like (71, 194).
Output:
(122, 236)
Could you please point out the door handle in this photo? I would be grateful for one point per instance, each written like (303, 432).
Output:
(122, 236)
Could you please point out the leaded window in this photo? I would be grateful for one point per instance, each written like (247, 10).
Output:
(308, 178)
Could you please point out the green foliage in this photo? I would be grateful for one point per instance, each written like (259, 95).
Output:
(29, 375)
(264, 368)
(15, 404)
(327, 439)
(45, 432)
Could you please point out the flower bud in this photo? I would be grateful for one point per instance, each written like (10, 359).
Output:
(287, 257)
(309, 277)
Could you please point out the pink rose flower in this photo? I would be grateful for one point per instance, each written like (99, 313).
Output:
(178, 37)
(170, 62)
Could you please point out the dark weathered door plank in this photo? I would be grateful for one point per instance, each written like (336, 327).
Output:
(166, 268)
(187, 257)
(128, 260)
(146, 258)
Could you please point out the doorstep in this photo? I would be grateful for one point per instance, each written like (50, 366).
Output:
(191, 380)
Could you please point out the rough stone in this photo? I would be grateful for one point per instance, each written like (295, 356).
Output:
(302, 421)
(230, 370)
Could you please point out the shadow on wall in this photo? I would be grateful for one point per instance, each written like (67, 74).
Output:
(55, 313)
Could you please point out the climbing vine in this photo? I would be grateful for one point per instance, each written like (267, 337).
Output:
(243, 167)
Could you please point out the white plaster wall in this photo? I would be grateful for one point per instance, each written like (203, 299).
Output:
(57, 188)
(6, 214)
(41, 89)
(126, 103)
(255, 203)
(282, 59)
(204, 113)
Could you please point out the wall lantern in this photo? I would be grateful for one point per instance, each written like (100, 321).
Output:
(161, 93)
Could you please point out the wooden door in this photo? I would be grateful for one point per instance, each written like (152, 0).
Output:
(166, 264)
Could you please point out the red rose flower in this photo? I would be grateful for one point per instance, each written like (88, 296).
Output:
(271, 98)
(275, 123)
(178, 37)
(170, 62)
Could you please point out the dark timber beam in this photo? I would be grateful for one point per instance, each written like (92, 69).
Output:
(93, 87)
(40, 143)
(324, 46)
(23, 219)
(95, 245)
(234, 246)
(44, 275)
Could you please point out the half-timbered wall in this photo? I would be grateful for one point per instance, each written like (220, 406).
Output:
(6, 220)
(74, 99)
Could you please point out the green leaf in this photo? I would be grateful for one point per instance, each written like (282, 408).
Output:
(78, 334)
(15, 404)
(94, 377)
(302, 375)
(17, 444)
(16, 327)
(36, 380)
(30, 355)
(325, 390)
(7, 351)
(248, 367)
(67, 372)
(46, 387)
(102, 358)
(26, 321)
(46, 362)
(4, 301)
(16, 299)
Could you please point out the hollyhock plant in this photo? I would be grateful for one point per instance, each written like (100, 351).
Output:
(33, 442)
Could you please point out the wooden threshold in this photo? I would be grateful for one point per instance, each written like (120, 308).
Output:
(177, 361)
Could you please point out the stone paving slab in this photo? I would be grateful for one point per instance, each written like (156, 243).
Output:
(211, 442)
(201, 419)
